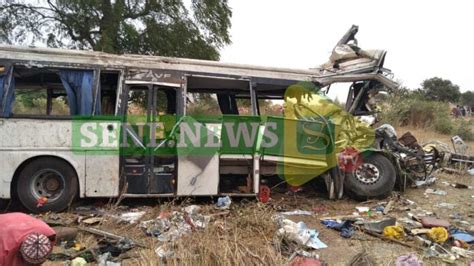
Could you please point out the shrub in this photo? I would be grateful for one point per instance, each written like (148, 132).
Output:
(464, 130)
(413, 110)
(444, 125)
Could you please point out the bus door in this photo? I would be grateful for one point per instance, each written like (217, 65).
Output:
(149, 157)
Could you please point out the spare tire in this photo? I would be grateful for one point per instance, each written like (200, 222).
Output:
(374, 178)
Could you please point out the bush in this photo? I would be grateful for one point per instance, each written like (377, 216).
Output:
(464, 130)
(413, 110)
(444, 125)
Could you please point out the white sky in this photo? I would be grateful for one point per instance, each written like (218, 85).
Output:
(423, 38)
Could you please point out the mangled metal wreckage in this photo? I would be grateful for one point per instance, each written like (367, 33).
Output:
(90, 124)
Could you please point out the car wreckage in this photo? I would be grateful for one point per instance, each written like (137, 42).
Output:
(90, 124)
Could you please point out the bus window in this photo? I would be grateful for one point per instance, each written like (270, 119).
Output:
(271, 107)
(108, 92)
(137, 101)
(218, 96)
(39, 92)
(202, 104)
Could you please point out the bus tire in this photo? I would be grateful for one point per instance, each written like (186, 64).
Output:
(47, 184)
(374, 178)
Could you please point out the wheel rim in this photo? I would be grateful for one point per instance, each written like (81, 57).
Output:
(367, 173)
(47, 183)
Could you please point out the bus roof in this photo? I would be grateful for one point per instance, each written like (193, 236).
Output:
(358, 68)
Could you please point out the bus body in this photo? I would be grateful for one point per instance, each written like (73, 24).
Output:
(48, 95)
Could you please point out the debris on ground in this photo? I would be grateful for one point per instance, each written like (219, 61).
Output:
(296, 212)
(345, 227)
(436, 192)
(434, 222)
(378, 226)
(298, 233)
(394, 231)
(408, 260)
(438, 234)
(224, 202)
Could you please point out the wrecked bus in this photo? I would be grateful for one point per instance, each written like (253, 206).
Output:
(90, 124)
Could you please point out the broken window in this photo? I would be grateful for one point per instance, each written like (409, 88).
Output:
(109, 83)
(270, 99)
(218, 96)
(39, 92)
(202, 104)
(49, 91)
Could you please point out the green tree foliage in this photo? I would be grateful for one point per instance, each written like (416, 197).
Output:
(195, 29)
(467, 98)
(439, 89)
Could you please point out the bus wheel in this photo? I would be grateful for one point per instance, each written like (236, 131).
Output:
(374, 178)
(47, 184)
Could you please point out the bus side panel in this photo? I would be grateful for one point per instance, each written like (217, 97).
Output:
(11, 160)
(198, 175)
(22, 139)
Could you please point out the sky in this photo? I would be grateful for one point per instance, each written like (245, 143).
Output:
(424, 39)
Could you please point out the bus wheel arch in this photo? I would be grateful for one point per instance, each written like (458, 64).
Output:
(54, 175)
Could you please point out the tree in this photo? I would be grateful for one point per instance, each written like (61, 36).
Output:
(440, 90)
(467, 98)
(156, 27)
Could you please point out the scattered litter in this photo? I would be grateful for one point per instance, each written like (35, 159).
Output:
(105, 260)
(470, 171)
(455, 216)
(460, 252)
(171, 226)
(422, 241)
(388, 208)
(378, 226)
(163, 252)
(115, 248)
(438, 234)
(446, 183)
(409, 224)
(131, 217)
(462, 235)
(435, 192)
(394, 231)
(437, 250)
(192, 209)
(445, 205)
(419, 231)
(459, 185)
(92, 220)
(299, 233)
(379, 208)
(296, 212)
(345, 227)
(427, 182)
(79, 261)
(408, 260)
(434, 222)
(224, 202)
(362, 209)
